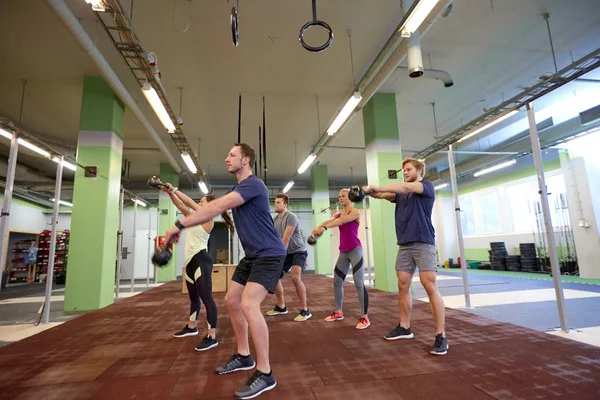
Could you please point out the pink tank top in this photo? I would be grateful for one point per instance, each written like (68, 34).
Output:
(348, 235)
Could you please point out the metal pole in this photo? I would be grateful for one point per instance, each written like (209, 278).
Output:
(120, 242)
(229, 246)
(50, 269)
(368, 263)
(539, 166)
(149, 246)
(8, 192)
(461, 244)
(155, 267)
(133, 245)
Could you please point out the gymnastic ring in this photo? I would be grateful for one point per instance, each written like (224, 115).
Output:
(322, 47)
(235, 33)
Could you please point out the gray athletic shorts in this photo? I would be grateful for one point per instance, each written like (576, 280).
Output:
(417, 254)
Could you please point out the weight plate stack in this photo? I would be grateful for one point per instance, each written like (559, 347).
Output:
(498, 256)
(513, 263)
(529, 260)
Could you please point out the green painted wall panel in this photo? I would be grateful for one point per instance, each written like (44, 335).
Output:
(320, 201)
(167, 174)
(101, 109)
(380, 118)
(94, 226)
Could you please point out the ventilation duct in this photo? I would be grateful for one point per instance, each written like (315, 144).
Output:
(415, 59)
(435, 74)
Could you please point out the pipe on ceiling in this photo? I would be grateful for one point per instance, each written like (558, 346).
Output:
(72, 24)
(434, 74)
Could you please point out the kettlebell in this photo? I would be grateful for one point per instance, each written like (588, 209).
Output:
(356, 194)
(155, 182)
(162, 256)
(311, 240)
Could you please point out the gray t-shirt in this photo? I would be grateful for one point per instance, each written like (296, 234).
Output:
(296, 243)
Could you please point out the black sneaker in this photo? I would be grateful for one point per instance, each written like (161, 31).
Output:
(303, 316)
(236, 363)
(399, 333)
(207, 343)
(186, 331)
(257, 384)
(440, 347)
(278, 311)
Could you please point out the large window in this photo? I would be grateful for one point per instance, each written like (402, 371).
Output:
(467, 216)
(490, 212)
(521, 198)
(484, 212)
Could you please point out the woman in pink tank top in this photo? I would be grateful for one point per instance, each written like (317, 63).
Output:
(351, 253)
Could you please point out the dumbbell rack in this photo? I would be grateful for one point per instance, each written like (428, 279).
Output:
(61, 252)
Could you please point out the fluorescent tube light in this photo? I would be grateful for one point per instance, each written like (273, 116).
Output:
(6, 134)
(33, 147)
(441, 186)
(65, 164)
(309, 160)
(344, 113)
(139, 202)
(203, 187)
(486, 126)
(288, 186)
(416, 18)
(158, 107)
(64, 203)
(97, 5)
(495, 168)
(189, 162)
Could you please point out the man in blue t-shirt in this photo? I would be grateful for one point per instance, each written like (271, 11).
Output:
(414, 200)
(256, 274)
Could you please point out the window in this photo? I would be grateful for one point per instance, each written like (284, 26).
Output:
(490, 212)
(520, 201)
(467, 217)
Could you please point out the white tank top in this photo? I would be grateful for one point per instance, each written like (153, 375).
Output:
(196, 240)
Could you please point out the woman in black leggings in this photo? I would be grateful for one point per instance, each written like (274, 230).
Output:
(198, 269)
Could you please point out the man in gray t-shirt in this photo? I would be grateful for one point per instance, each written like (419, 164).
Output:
(288, 228)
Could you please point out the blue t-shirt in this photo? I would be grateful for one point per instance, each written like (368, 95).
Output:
(413, 216)
(253, 220)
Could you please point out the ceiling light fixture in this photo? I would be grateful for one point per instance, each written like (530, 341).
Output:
(344, 113)
(158, 107)
(495, 168)
(488, 125)
(417, 16)
(288, 186)
(309, 160)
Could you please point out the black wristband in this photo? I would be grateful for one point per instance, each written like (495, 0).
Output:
(325, 227)
(179, 225)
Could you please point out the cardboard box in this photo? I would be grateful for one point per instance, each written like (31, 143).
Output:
(222, 256)
(219, 279)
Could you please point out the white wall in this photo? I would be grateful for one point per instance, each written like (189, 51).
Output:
(583, 194)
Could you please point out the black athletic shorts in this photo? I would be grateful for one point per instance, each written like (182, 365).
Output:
(298, 259)
(262, 270)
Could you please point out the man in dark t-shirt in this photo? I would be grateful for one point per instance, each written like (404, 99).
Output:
(414, 200)
(256, 274)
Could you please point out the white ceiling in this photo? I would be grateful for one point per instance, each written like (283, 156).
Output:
(489, 53)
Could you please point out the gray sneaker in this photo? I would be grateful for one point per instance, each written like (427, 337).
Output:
(236, 363)
(440, 347)
(257, 384)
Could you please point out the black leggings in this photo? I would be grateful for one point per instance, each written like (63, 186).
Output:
(200, 287)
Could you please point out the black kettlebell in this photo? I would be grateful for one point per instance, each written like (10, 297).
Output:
(161, 257)
(311, 240)
(356, 194)
(155, 182)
